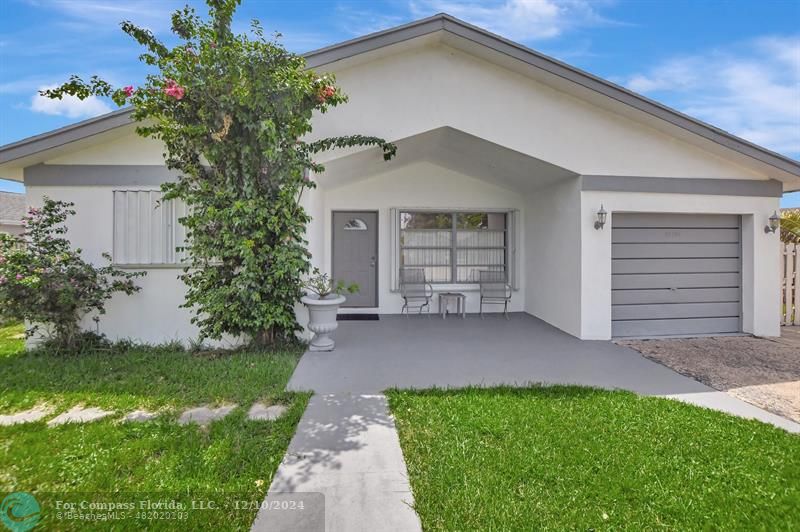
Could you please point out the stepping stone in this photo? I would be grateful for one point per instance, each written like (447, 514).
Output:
(139, 416)
(26, 416)
(203, 415)
(79, 414)
(262, 412)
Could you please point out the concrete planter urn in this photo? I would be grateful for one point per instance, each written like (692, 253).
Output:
(322, 319)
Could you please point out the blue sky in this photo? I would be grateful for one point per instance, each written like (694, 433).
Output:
(735, 64)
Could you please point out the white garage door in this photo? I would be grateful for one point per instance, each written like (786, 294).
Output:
(675, 274)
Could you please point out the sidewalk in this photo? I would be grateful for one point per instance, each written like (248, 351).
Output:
(346, 448)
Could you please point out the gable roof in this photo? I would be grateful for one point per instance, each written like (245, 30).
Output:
(12, 208)
(445, 23)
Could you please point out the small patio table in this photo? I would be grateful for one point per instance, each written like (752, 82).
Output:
(460, 300)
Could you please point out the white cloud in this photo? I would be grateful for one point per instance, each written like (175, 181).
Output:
(359, 22)
(69, 106)
(519, 20)
(105, 15)
(751, 89)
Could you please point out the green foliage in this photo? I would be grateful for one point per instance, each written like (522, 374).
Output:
(45, 282)
(576, 458)
(790, 226)
(232, 113)
(323, 285)
(233, 459)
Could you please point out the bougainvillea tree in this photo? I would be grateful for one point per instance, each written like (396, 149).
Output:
(232, 111)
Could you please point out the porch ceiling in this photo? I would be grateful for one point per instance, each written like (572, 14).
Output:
(453, 149)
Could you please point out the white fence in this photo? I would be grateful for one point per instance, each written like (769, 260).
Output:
(790, 285)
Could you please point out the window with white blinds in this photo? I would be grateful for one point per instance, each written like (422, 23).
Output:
(453, 247)
(146, 228)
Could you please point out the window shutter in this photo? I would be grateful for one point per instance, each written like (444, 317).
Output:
(146, 228)
(394, 221)
(513, 245)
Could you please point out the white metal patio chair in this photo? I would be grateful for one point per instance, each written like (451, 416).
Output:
(494, 290)
(415, 290)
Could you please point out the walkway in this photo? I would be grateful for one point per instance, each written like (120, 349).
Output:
(345, 465)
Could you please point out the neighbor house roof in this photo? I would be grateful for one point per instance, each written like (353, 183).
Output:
(451, 25)
(12, 208)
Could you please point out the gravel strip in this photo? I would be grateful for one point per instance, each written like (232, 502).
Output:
(761, 371)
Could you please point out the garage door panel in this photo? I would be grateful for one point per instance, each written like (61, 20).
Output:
(674, 220)
(687, 295)
(674, 251)
(675, 327)
(674, 265)
(674, 280)
(674, 235)
(675, 274)
(679, 310)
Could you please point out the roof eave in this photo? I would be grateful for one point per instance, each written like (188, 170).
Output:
(65, 135)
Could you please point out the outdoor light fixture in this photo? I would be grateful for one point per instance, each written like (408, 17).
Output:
(601, 218)
(774, 223)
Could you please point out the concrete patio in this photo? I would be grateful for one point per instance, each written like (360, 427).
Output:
(422, 352)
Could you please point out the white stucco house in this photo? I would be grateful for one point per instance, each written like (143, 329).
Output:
(505, 157)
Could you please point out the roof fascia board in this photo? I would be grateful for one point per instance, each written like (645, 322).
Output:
(374, 41)
(65, 135)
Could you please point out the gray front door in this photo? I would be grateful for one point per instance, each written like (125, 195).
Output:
(355, 255)
(675, 274)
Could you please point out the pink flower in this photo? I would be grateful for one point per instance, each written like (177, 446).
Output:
(173, 89)
(128, 91)
(20, 277)
(325, 93)
(3, 279)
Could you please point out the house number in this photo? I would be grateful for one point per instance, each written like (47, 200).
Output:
(672, 234)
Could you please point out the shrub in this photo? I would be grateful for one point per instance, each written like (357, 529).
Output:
(46, 283)
(790, 226)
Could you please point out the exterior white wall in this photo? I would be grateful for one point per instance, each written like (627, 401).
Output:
(151, 315)
(552, 262)
(425, 88)
(127, 149)
(760, 259)
(419, 185)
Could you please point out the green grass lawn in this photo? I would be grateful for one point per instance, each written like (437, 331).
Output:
(585, 459)
(231, 459)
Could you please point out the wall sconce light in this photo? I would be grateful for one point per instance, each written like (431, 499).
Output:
(774, 223)
(601, 218)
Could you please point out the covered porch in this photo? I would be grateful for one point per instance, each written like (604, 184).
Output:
(429, 209)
